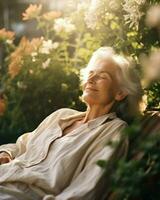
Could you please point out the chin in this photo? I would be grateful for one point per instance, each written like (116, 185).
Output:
(89, 100)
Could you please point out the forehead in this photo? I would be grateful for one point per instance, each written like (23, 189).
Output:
(104, 65)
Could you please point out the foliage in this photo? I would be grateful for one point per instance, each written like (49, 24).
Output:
(137, 175)
(40, 75)
(44, 72)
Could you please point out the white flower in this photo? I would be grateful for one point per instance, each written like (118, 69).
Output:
(55, 45)
(21, 85)
(33, 55)
(9, 41)
(82, 6)
(143, 103)
(153, 16)
(91, 22)
(33, 59)
(151, 67)
(46, 47)
(98, 10)
(31, 71)
(46, 63)
(91, 15)
(95, 4)
(64, 24)
(133, 12)
(114, 5)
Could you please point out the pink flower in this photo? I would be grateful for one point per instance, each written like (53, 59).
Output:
(50, 16)
(6, 35)
(32, 12)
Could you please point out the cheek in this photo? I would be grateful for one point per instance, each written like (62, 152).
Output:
(104, 85)
(106, 89)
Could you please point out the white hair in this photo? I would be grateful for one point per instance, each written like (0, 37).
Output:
(128, 78)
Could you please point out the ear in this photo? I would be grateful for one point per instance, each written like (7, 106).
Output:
(120, 95)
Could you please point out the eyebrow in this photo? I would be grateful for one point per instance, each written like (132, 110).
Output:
(111, 76)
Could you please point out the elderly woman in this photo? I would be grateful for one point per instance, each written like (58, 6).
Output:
(58, 159)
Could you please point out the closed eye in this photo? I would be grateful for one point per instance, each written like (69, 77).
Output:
(101, 75)
(104, 75)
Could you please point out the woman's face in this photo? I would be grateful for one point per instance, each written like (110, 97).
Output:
(101, 85)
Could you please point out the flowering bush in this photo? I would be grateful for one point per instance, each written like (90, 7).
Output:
(32, 12)
(41, 75)
(7, 36)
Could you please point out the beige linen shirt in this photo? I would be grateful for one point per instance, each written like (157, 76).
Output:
(63, 166)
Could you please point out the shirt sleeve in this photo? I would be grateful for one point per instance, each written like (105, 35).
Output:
(18, 148)
(84, 185)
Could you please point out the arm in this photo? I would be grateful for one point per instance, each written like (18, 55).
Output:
(84, 186)
(18, 148)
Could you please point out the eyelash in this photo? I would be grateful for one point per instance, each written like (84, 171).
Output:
(98, 75)
(103, 77)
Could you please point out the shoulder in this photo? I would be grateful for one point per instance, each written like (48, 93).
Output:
(115, 122)
(113, 128)
(119, 122)
(61, 113)
(64, 112)
(118, 126)
(55, 116)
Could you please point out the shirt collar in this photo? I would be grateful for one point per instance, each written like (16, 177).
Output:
(100, 120)
(91, 124)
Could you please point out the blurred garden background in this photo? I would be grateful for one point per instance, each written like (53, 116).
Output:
(44, 44)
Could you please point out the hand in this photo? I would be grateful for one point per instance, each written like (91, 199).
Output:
(4, 158)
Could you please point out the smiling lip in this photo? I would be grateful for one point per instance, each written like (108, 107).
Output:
(92, 89)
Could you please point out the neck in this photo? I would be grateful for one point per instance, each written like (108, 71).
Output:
(95, 111)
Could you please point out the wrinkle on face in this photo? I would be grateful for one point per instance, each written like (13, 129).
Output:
(101, 76)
